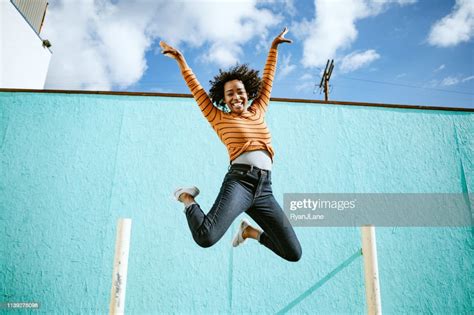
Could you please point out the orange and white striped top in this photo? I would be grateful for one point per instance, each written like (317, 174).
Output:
(247, 131)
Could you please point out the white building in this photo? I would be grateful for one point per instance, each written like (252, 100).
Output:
(24, 55)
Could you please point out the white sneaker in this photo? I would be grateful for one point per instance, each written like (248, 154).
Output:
(238, 238)
(192, 190)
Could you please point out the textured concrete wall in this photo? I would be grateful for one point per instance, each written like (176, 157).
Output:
(72, 164)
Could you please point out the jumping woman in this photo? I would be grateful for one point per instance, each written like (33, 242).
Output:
(247, 186)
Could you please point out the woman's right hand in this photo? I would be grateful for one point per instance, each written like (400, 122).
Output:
(169, 51)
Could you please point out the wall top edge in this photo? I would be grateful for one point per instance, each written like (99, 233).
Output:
(274, 99)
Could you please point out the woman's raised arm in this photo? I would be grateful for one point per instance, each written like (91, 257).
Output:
(205, 104)
(269, 70)
(172, 52)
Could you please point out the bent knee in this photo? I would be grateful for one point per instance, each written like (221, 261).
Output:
(205, 241)
(294, 255)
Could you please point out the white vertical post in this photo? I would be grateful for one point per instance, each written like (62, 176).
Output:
(372, 285)
(119, 276)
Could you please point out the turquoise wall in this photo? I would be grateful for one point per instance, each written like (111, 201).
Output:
(72, 164)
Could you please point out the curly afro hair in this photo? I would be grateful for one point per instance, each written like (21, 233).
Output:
(249, 78)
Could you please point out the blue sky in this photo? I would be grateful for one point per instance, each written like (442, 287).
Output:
(389, 51)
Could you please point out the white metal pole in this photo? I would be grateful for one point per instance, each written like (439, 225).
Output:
(119, 276)
(372, 285)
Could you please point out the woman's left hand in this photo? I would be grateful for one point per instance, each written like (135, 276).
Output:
(281, 38)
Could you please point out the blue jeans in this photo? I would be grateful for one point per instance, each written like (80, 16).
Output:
(246, 189)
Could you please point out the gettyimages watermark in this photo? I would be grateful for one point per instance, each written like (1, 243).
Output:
(381, 209)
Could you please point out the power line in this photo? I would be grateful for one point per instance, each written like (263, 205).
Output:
(405, 85)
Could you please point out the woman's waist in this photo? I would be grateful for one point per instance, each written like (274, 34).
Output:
(249, 173)
(236, 149)
(257, 158)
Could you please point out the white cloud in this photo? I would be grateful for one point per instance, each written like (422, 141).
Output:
(405, 2)
(356, 60)
(448, 81)
(305, 86)
(454, 28)
(96, 45)
(333, 27)
(439, 68)
(468, 78)
(453, 80)
(101, 44)
(224, 55)
(286, 67)
(287, 5)
(306, 76)
(226, 26)
(290, 7)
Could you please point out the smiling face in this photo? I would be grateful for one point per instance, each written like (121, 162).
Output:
(235, 96)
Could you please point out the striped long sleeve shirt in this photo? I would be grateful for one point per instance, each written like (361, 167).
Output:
(239, 132)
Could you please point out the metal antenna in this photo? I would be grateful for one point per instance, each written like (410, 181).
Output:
(325, 78)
